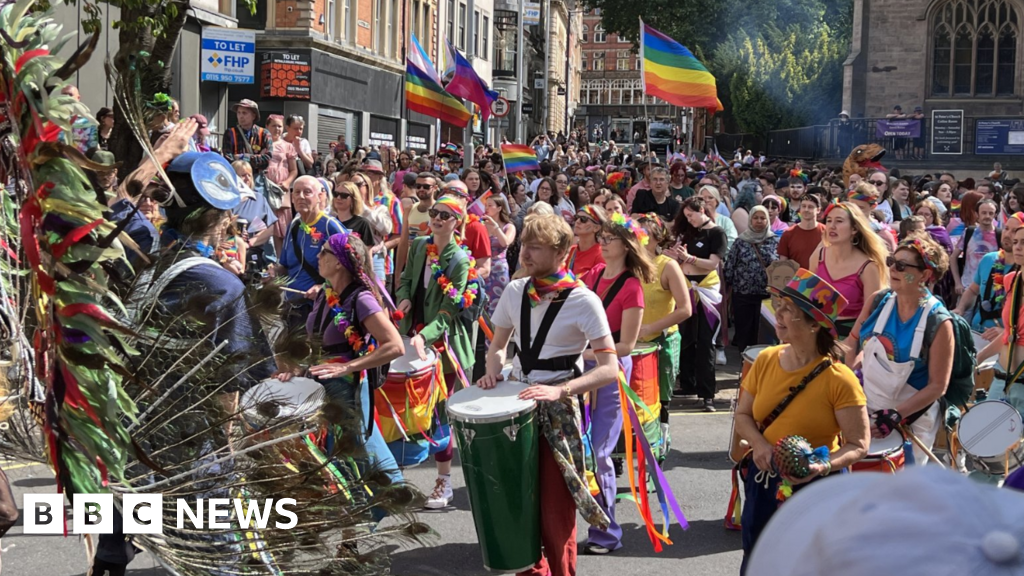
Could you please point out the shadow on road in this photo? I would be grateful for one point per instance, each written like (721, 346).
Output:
(715, 460)
(703, 538)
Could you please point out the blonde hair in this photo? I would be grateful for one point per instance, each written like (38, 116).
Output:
(865, 240)
(357, 199)
(542, 208)
(242, 165)
(549, 230)
(380, 220)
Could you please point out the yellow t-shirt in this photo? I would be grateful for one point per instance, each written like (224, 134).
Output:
(419, 223)
(658, 302)
(812, 412)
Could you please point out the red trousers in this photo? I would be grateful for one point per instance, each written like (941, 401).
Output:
(557, 520)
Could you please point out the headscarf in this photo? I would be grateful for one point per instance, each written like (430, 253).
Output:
(454, 203)
(753, 237)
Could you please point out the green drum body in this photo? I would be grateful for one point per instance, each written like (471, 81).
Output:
(498, 444)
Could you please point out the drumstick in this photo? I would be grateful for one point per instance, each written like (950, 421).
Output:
(917, 442)
(293, 290)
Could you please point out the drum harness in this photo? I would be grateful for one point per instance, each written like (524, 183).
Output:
(529, 353)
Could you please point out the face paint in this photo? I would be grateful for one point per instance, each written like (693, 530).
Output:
(908, 278)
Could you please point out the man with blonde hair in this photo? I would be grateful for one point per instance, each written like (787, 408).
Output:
(551, 362)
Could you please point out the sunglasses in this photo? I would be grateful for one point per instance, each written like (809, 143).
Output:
(343, 195)
(900, 266)
(444, 216)
(585, 220)
(877, 182)
(424, 186)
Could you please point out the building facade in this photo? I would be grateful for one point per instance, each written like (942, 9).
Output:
(938, 54)
(611, 92)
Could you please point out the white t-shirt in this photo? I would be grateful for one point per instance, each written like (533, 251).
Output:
(580, 320)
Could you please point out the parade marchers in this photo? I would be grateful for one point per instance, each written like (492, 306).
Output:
(605, 266)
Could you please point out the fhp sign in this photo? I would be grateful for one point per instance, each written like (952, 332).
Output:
(228, 55)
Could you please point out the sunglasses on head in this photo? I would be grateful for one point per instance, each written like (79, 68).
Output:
(343, 195)
(900, 266)
(444, 216)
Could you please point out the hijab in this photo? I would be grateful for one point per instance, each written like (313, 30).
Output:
(750, 235)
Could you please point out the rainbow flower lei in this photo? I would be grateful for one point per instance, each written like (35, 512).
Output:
(341, 320)
(311, 231)
(999, 269)
(462, 299)
(629, 224)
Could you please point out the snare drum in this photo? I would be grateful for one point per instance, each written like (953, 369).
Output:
(749, 355)
(884, 455)
(644, 380)
(498, 444)
(406, 404)
(990, 433)
(272, 401)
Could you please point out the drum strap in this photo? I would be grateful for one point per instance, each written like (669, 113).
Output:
(613, 291)
(774, 415)
(529, 355)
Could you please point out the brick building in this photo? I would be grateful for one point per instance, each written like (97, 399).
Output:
(611, 93)
(939, 54)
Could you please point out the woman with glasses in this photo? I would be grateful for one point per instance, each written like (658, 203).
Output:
(852, 259)
(365, 187)
(775, 205)
(502, 233)
(903, 344)
(347, 205)
(560, 200)
(586, 253)
(700, 248)
(430, 296)
(619, 283)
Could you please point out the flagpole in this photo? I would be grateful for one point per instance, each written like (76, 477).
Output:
(643, 81)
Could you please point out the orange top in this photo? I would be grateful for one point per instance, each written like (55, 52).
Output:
(1008, 283)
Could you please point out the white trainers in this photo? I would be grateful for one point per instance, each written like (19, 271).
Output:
(720, 357)
(442, 494)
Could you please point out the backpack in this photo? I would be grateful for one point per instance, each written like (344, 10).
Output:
(961, 260)
(965, 360)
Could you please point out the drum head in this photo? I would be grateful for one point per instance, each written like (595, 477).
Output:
(474, 404)
(989, 428)
(891, 443)
(750, 354)
(644, 348)
(409, 362)
(272, 399)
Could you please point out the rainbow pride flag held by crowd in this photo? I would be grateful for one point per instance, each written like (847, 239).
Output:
(673, 73)
(519, 158)
(423, 91)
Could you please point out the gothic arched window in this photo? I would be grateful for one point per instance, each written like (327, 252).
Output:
(975, 48)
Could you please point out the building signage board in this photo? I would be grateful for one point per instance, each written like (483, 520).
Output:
(531, 13)
(228, 55)
(285, 75)
(947, 132)
(999, 136)
(897, 128)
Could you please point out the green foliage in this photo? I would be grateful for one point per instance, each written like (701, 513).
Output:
(778, 62)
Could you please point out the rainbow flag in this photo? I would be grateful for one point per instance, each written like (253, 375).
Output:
(424, 95)
(673, 73)
(519, 158)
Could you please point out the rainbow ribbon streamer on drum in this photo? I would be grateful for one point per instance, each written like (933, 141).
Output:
(644, 459)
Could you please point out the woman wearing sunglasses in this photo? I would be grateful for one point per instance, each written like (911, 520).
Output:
(586, 253)
(347, 205)
(430, 296)
(905, 339)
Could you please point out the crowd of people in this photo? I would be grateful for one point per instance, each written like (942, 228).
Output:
(386, 252)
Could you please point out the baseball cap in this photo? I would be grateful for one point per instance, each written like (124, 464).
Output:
(409, 178)
(204, 125)
(923, 520)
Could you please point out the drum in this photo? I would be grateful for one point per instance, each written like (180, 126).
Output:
(406, 404)
(738, 446)
(272, 401)
(498, 444)
(884, 455)
(990, 433)
(644, 380)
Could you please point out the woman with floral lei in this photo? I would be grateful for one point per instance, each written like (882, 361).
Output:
(435, 287)
(1009, 344)
(618, 281)
(982, 302)
(906, 336)
(352, 321)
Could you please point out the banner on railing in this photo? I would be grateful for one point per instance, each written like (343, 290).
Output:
(897, 129)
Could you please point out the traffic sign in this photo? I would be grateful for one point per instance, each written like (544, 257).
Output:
(500, 107)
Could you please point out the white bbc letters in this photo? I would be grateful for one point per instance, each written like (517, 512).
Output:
(143, 514)
(43, 513)
(92, 513)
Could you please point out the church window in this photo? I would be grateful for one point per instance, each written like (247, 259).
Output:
(975, 47)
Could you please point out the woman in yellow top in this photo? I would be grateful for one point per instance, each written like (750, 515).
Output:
(666, 305)
(825, 396)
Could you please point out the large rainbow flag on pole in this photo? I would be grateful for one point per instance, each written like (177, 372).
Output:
(519, 158)
(673, 73)
(423, 91)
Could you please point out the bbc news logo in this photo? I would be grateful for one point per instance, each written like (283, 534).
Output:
(143, 513)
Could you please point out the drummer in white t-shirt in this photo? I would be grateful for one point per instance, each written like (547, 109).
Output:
(553, 367)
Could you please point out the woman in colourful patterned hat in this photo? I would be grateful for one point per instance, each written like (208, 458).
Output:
(666, 306)
(824, 400)
(586, 252)
(618, 281)
(852, 258)
(435, 287)
(903, 344)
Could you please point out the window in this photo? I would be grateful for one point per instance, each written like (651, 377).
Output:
(598, 60)
(622, 60)
(332, 15)
(475, 48)
(487, 38)
(638, 63)
(583, 36)
(599, 35)
(974, 48)
(350, 21)
(462, 27)
(414, 20)
(621, 39)
(583, 64)
(378, 37)
(451, 21)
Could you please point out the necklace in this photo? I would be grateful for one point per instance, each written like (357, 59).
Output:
(310, 229)
(344, 324)
(999, 268)
(462, 299)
